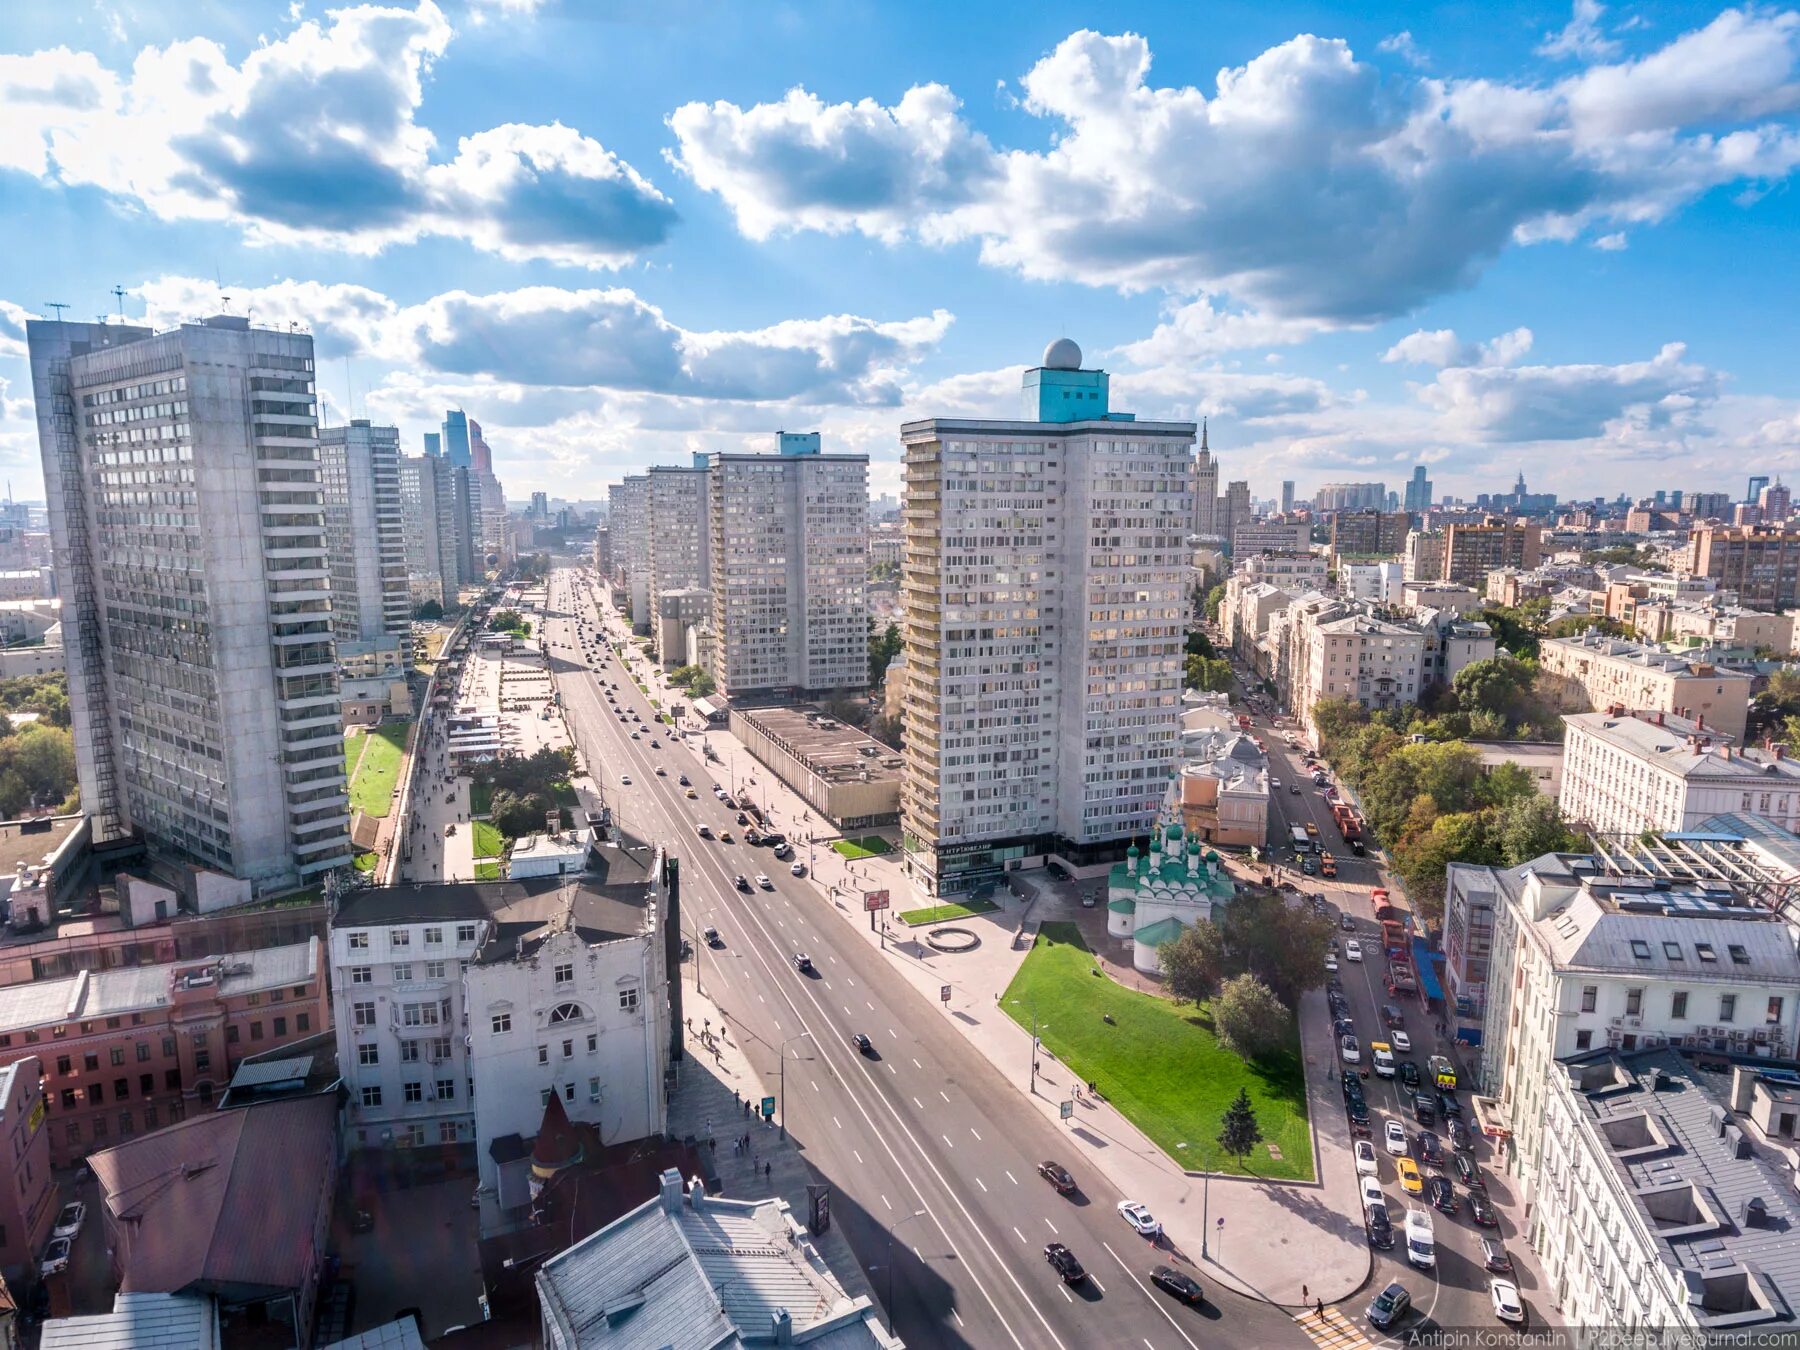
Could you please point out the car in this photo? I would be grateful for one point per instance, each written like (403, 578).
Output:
(1423, 1111)
(724, 836)
(1381, 1054)
(1504, 1295)
(661, 772)
(1448, 1106)
(742, 819)
(56, 1257)
(683, 780)
(1411, 1181)
(1065, 1264)
(1352, 1085)
(1366, 1163)
(1392, 1016)
(1058, 1176)
(1394, 1136)
(1311, 868)
(1275, 783)
(1371, 1193)
(712, 938)
(1402, 1042)
(1493, 1255)
(1353, 950)
(703, 830)
(1380, 1229)
(1140, 1219)
(741, 881)
(655, 744)
(798, 869)
(691, 795)
(1346, 923)
(764, 882)
(864, 1046)
(1331, 962)
(803, 963)
(624, 780)
(1178, 1285)
(1349, 1050)
(1389, 1306)
(69, 1220)
(1358, 1111)
(1409, 1074)
(1460, 1136)
(1481, 1210)
(1440, 1194)
(1294, 789)
(1469, 1173)
(1430, 1150)
(636, 736)
(1343, 1026)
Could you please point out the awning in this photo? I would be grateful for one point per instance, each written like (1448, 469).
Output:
(1425, 962)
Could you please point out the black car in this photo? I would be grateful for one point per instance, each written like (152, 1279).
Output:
(1494, 1257)
(1392, 1015)
(1481, 1210)
(1389, 1307)
(1449, 1106)
(1178, 1285)
(1066, 1264)
(1469, 1172)
(1409, 1074)
(1430, 1150)
(1423, 1110)
(683, 780)
(1352, 1084)
(863, 1044)
(741, 881)
(1058, 1176)
(1344, 1026)
(1440, 1194)
(1380, 1230)
(1346, 923)
(1460, 1136)
(1359, 1112)
(712, 938)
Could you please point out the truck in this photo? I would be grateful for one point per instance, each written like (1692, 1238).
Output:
(1345, 816)
(1327, 865)
(1381, 1057)
(1301, 841)
(1421, 1241)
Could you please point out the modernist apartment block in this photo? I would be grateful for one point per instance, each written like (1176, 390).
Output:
(182, 472)
(675, 540)
(1043, 616)
(628, 504)
(428, 517)
(790, 569)
(365, 526)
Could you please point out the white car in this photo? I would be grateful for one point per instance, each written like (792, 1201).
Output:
(1331, 962)
(1275, 784)
(1366, 1164)
(1349, 1050)
(798, 869)
(1402, 1042)
(56, 1257)
(1353, 950)
(1504, 1295)
(764, 882)
(1395, 1136)
(1139, 1218)
(625, 780)
(69, 1220)
(1371, 1193)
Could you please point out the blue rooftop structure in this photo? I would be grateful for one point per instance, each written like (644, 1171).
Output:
(798, 442)
(1059, 390)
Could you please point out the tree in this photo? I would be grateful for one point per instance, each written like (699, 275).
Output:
(883, 648)
(1247, 1017)
(1334, 717)
(850, 711)
(888, 730)
(506, 621)
(1421, 863)
(1238, 1131)
(1214, 598)
(1529, 827)
(429, 612)
(1195, 963)
(1500, 684)
(1282, 945)
(1209, 673)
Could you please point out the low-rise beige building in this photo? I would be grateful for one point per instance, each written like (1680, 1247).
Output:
(1371, 661)
(1222, 791)
(1591, 671)
(849, 778)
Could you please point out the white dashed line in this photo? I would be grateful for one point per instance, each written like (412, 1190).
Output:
(979, 1182)
(917, 1065)
(884, 1200)
(1097, 1284)
(894, 1034)
(946, 1139)
(972, 1131)
(1010, 1177)
(943, 1094)
(1020, 1235)
(1065, 1292)
(1052, 1226)
(857, 1156)
(815, 1083)
(918, 1103)
(835, 1121)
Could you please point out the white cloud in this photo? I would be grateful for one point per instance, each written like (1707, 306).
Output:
(1402, 45)
(1441, 347)
(345, 320)
(1582, 38)
(1200, 329)
(314, 138)
(1612, 243)
(1307, 186)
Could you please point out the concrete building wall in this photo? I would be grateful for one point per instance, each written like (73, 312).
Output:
(364, 525)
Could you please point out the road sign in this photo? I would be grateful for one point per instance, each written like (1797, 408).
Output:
(1067, 1109)
(944, 993)
(768, 1108)
(874, 900)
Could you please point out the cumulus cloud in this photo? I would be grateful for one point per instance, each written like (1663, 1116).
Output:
(1582, 37)
(1441, 347)
(314, 138)
(1306, 185)
(1402, 45)
(1199, 328)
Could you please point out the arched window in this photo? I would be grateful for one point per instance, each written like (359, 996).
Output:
(566, 1012)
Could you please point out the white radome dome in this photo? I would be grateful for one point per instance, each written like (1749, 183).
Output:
(1062, 354)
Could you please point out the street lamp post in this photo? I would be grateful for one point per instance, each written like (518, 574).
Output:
(1034, 1043)
(893, 1317)
(782, 1107)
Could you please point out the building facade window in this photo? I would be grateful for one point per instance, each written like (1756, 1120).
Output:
(628, 999)
(501, 1023)
(1727, 1007)
(1678, 1005)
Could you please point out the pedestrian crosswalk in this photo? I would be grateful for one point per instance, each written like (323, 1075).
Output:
(1334, 1332)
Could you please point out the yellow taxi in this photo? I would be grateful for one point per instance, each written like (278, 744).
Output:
(692, 796)
(1410, 1180)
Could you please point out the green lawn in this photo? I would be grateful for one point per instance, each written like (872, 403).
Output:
(372, 786)
(1160, 1063)
(481, 798)
(945, 913)
(487, 871)
(489, 842)
(366, 862)
(353, 748)
(869, 846)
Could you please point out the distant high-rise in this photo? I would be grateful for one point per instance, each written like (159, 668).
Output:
(677, 542)
(359, 468)
(434, 444)
(1776, 502)
(790, 566)
(1473, 550)
(1287, 496)
(540, 506)
(1044, 596)
(188, 521)
(1418, 491)
(627, 509)
(1206, 491)
(456, 439)
(488, 500)
(1350, 497)
(1233, 508)
(428, 517)
(1758, 482)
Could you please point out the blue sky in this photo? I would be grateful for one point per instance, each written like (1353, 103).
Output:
(1490, 238)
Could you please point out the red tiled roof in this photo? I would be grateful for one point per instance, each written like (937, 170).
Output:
(225, 1198)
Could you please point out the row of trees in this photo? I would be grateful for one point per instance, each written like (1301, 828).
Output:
(1204, 668)
(524, 788)
(695, 679)
(1433, 802)
(1257, 934)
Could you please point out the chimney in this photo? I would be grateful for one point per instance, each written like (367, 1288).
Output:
(1659, 717)
(1700, 722)
(670, 1182)
(697, 1193)
(1778, 749)
(781, 1327)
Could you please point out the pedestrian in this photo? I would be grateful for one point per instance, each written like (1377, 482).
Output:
(768, 1170)
(1319, 1307)
(1303, 1293)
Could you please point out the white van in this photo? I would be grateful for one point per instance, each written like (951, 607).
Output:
(1381, 1055)
(1421, 1244)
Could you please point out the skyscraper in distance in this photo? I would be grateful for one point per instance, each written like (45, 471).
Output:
(1418, 491)
(364, 526)
(1287, 496)
(1206, 490)
(1758, 482)
(187, 518)
(456, 439)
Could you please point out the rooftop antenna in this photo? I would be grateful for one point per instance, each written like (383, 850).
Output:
(119, 294)
(58, 306)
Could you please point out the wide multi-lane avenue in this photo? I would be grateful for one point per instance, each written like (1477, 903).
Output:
(931, 1155)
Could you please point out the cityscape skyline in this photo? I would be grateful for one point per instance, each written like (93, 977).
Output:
(557, 266)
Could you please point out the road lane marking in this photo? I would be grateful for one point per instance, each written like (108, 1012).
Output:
(972, 1131)
(893, 1033)
(917, 1065)
(979, 1182)
(1052, 1227)
(943, 1094)
(946, 1139)
(1097, 1284)
(1010, 1177)
(1065, 1292)
(918, 1103)
(871, 1005)
(857, 1156)
(835, 1121)
(815, 1083)
(1155, 1302)
(1016, 1230)
(884, 1200)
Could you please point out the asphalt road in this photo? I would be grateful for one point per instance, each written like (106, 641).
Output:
(930, 1153)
